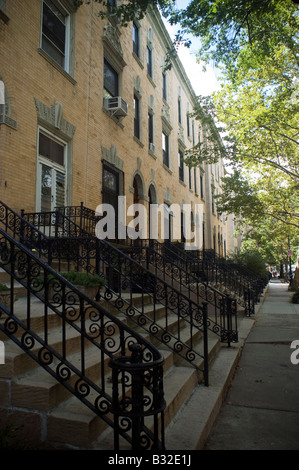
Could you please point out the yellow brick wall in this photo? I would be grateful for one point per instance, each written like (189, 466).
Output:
(28, 76)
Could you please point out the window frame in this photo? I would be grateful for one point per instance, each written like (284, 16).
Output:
(165, 152)
(181, 166)
(149, 61)
(150, 121)
(136, 39)
(164, 86)
(109, 92)
(136, 117)
(54, 165)
(66, 54)
(179, 110)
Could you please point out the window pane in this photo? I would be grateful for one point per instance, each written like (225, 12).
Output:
(54, 32)
(165, 149)
(110, 79)
(136, 118)
(135, 39)
(60, 189)
(150, 128)
(109, 180)
(164, 86)
(149, 61)
(50, 149)
(46, 188)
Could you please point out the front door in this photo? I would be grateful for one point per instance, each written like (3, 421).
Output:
(51, 181)
(111, 191)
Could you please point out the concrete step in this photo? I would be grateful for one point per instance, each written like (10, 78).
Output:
(68, 421)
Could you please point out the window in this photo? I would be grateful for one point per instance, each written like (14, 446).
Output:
(136, 117)
(195, 181)
(52, 173)
(181, 165)
(213, 199)
(165, 149)
(179, 111)
(110, 80)
(188, 125)
(193, 133)
(56, 33)
(135, 39)
(201, 187)
(164, 86)
(190, 177)
(149, 61)
(151, 131)
(51, 149)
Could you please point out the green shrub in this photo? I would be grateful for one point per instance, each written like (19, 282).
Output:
(3, 287)
(84, 279)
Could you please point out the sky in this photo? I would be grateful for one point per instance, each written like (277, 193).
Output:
(203, 83)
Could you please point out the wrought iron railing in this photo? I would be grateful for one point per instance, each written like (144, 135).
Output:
(82, 216)
(158, 258)
(126, 278)
(54, 224)
(137, 378)
(171, 267)
(214, 271)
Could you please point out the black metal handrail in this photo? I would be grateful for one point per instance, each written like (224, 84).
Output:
(53, 224)
(99, 334)
(82, 216)
(211, 269)
(125, 277)
(92, 254)
(175, 273)
(159, 260)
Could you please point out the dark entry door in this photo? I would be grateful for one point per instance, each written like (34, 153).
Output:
(111, 191)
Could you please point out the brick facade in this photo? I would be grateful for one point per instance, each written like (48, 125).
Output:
(65, 103)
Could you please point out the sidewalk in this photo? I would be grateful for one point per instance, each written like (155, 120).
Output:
(261, 410)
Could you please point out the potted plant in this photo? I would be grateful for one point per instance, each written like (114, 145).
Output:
(87, 283)
(5, 295)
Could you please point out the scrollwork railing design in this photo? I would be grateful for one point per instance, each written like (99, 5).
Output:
(159, 259)
(93, 333)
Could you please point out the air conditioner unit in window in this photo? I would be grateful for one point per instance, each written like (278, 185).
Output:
(116, 106)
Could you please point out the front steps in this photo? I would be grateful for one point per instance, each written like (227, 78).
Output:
(47, 413)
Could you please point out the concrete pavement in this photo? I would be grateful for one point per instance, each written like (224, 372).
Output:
(261, 409)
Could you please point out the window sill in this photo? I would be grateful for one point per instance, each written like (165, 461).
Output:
(57, 66)
(151, 153)
(138, 141)
(167, 168)
(151, 80)
(138, 60)
(182, 183)
(114, 118)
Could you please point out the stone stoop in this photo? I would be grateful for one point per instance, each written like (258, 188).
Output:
(48, 415)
